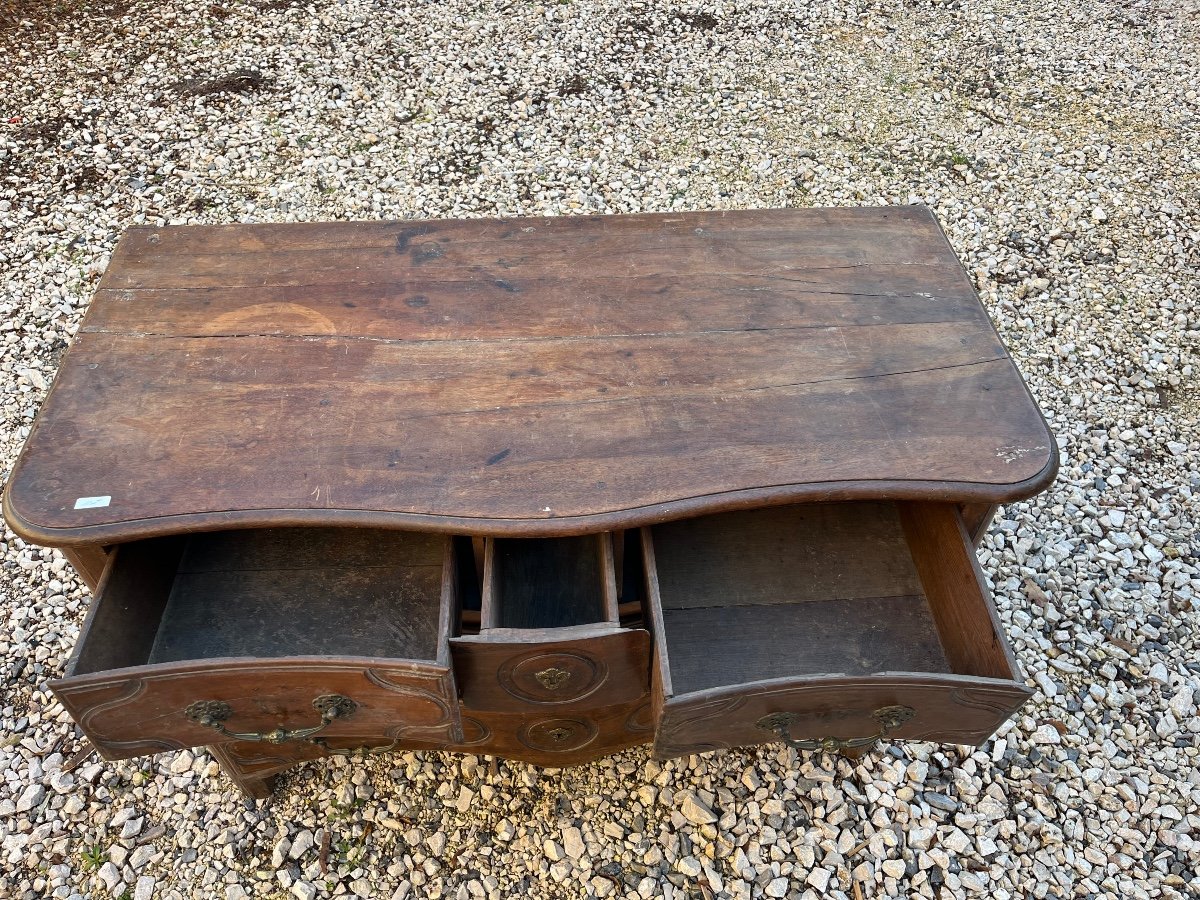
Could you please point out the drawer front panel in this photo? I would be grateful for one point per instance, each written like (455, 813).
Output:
(510, 676)
(847, 711)
(557, 739)
(149, 709)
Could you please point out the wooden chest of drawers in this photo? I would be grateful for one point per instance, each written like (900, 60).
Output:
(537, 488)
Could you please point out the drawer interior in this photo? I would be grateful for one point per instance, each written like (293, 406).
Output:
(851, 588)
(269, 593)
(532, 583)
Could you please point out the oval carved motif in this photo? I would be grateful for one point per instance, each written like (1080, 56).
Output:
(560, 676)
(557, 735)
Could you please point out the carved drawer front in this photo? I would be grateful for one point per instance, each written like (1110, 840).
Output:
(826, 626)
(550, 634)
(287, 637)
(505, 670)
(559, 737)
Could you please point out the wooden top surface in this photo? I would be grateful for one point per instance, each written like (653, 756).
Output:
(524, 376)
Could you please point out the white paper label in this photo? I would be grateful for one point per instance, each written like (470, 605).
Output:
(92, 502)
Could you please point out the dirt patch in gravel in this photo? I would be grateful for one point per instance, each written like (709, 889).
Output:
(239, 81)
(52, 15)
(699, 21)
(1183, 401)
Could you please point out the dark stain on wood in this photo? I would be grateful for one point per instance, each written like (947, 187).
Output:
(499, 457)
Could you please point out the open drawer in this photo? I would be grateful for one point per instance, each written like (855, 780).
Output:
(550, 633)
(279, 635)
(826, 625)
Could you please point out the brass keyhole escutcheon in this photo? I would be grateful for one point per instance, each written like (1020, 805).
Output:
(552, 678)
(558, 735)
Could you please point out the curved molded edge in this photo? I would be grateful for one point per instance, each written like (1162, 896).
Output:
(724, 710)
(188, 667)
(563, 526)
(825, 681)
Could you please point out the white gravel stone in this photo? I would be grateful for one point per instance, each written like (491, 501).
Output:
(1183, 702)
(182, 762)
(132, 828)
(279, 854)
(1046, 734)
(32, 796)
(777, 887)
(111, 876)
(818, 879)
(689, 866)
(893, 868)
(573, 842)
(696, 811)
(301, 844)
(921, 838)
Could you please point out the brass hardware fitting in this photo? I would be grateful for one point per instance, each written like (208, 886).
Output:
(552, 678)
(214, 713)
(356, 751)
(888, 717)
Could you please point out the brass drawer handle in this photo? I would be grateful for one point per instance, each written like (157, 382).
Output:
(356, 751)
(213, 714)
(889, 718)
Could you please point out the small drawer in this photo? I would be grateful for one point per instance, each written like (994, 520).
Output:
(825, 625)
(274, 635)
(559, 738)
(550, 632)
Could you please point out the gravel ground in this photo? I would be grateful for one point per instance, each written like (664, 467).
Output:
(1057, 142)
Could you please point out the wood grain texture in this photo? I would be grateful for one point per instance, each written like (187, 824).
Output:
(304, 592)
(139, 710)
(525, 377)
(796, 611)
(548, 582)
(726, 646)
(977, 517)
(785, 555)
(546, 738)
(497, 672)
(267, 622)
(123, 618)
(952, 708)
(958, 596)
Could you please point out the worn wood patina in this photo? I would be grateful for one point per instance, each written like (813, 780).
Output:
(543, 488)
